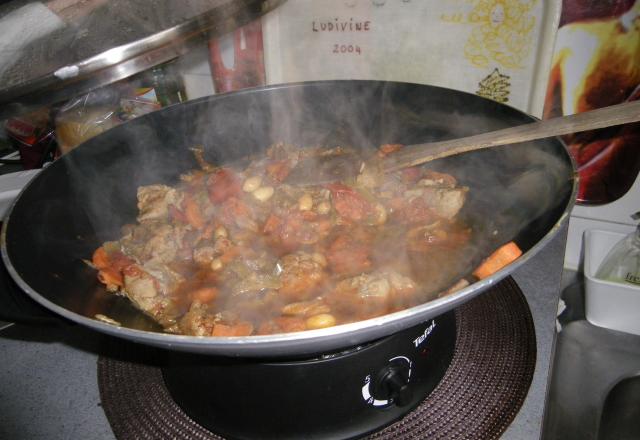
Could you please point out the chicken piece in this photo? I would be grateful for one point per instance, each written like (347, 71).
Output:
(301, 276)
(445, 202)
(415, 195)
(282, 151)
(424, 204)
(204, 255)
(166, 279)
(134, 238)
(198, 321)
(157, 241)
(140, 288)
(403, 288)
(362, 296)
(253, 306)
(154, 201)
(150, 292)
(434, 178)
(162, 246)
(446, 235)
(371, 294)
(135, 241)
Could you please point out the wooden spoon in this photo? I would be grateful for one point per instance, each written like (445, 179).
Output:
(325, 169)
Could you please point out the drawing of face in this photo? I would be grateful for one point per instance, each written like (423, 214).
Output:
(497, 14)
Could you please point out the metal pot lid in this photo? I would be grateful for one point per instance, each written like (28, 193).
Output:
(70, 48)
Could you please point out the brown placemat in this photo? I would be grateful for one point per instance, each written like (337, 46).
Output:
(478, 397)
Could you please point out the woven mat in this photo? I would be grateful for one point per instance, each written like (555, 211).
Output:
(478, 398)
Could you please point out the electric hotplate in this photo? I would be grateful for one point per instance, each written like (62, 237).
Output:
(478, 396)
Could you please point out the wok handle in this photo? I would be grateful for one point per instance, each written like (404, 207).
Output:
(619, 114)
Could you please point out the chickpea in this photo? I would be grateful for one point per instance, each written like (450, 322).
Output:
(263, 193)
(427, 182)
(252, 184)
(306, 308)
(305, 203)
(322, 320)
(220, 232)
(216, 264)
(380, 217)
(319, 258)
(323, 208)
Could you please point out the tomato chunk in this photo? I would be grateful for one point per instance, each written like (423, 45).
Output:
(279, 170)
(349, 203)
(349, 257)
(415, 211)
(222, 185)
(295, 229)
(236, 211)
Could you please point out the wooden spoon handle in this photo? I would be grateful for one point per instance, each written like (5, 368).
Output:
(605, 117)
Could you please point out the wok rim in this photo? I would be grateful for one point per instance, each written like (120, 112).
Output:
(309, 341)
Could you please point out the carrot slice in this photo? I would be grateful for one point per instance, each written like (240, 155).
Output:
(243, 329)
(239, 329)
(497, 260)
(387, 149)
(100, 258)
(192, 213)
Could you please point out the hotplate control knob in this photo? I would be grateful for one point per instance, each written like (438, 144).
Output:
(392, 383)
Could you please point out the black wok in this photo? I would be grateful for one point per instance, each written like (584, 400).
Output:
(521, 192)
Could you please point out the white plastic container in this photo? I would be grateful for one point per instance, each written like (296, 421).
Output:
(608, 304)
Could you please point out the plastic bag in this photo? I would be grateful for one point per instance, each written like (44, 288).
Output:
(85, 117)
(622, 264)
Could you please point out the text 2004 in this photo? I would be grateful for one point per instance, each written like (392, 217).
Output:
(347, 48)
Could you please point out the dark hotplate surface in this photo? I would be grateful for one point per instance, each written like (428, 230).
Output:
(479, 396)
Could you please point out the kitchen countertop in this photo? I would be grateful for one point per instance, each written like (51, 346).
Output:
(49, 389)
